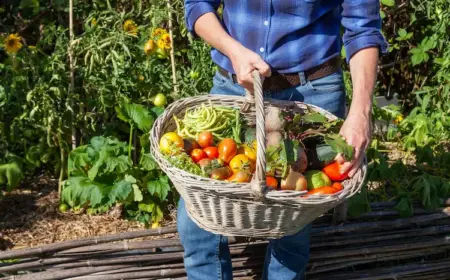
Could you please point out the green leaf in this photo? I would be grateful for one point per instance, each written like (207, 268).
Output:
(82, 190)
(147, 162)
(382, 14)
(425, 101)
(160, 187)
(157, 111)
(359, 203)
(122, 189)
(314, 118)
(33, 156)
(11, 173)
(78, 160)
(338, 144)
(93, 171)
(30, 4)
(428, 43)
(404, 207)
(444, 190)
(118, 165)
(402, 32)
(137, 194)
(389, 3)
(98, 142)
(136, 115)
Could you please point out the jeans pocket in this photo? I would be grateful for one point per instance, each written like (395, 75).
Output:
(219, 80)
(328, 84)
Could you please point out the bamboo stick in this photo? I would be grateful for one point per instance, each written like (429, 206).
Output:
(348, 263)
(72, 75)
(443, 242)
(386, 273)
(20, 253)
(339, 241)
(172, 52)
(60, 274)
(398, 223)
(124, 246)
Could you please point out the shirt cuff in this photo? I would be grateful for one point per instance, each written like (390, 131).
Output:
(195, 12)
(375, 39)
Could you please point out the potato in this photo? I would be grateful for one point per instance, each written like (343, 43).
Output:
(273, 138)
(274, 120)
(294, 181)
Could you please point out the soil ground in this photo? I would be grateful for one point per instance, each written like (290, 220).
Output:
(30, 217)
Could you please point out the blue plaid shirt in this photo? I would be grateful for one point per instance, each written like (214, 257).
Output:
(293, 36)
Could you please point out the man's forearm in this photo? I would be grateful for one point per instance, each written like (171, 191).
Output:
(209, 29)
(363, 69)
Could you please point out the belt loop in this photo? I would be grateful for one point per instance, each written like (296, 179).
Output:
(230, 76)
(302, 77)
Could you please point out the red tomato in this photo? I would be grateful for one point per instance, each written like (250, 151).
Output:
(197, 155)
(205, 139)
(333, 172)
(227, 149)
(338, 186)
(323, 190)
(211, 152)
(272, 182)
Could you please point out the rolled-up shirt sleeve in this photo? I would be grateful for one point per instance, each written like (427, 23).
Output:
(362, 22)
(195, 9)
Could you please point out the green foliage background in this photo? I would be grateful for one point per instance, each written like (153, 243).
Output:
(113, 74)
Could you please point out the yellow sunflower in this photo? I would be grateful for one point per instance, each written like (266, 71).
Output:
(159, 32)
(164, 42)
(13, 43)
(130, 27)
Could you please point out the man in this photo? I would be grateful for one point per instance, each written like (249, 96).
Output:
(295, 45)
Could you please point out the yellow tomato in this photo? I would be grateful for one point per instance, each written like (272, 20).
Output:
(241, 163)
(169, 141)
(248, 151)
(254, 145)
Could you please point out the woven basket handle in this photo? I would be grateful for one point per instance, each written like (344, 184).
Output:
(259, 181)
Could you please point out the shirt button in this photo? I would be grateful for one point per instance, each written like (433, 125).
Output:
(266, 23)
(261, 49)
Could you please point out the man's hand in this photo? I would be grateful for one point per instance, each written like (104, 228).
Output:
(357, 128)
(244, 62)
(357, 131)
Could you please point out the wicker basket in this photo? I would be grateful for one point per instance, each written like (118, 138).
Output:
(248, 209)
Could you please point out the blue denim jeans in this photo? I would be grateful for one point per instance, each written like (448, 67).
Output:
(206, 255)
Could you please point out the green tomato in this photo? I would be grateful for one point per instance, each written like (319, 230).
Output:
(63, 207)
(194, 75)
(316, 179)
(162, 54)
(160, 100)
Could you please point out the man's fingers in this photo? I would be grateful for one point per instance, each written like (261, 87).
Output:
(263, 68)
(355, 167)
(340, 159)
(347, 166)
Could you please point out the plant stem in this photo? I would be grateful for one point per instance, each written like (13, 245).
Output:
(130, 141)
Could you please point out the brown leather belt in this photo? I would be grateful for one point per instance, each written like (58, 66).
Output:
(279, 81)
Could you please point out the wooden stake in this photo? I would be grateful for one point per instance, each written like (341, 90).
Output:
(172, 53)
